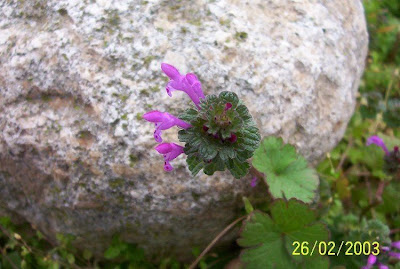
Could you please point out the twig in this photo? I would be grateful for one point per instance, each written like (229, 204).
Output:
(13, 265)
(377, 201)
(21, 242)
(221, 234)
(344, 155)
(395, 231)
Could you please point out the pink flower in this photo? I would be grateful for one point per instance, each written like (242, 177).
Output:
(188, 83)
(164, 121)
(396, 244)
(169, 151)
(373, 260)
(370, 262)
(379, 142)
(228, 106)
(254, 182)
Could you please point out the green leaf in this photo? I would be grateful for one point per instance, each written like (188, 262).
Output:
(112, 252)
(238, 169)
(195, 164)
(229, 97)
(247, 205)
(189, 115)
(268, 240)
(215, 165)
(392, 115)
(287, 174)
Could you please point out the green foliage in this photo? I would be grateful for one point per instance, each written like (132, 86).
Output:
(286, 172)
(221, 137)
(126, 255)
(269, 240)
(350, 178)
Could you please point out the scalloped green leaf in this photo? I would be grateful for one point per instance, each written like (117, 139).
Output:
(238, 169)
(268, 240)
(216, 165)
(212, 127)
(230, 97)
(189, 115)
(287, 173)
(195, 164)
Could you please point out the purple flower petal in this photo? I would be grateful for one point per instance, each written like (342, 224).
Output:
(157, 135)
(169, 151)
(164, 121)
(153, 116)
(371, 260)
(164, 148)
(396, 244)
(379, 142)
(233, 138)
(170, 71)
(383, 266)
(395, 254)
(385, 248)
(254, 182)
(168, 167)
(228, 106)
(188, 83)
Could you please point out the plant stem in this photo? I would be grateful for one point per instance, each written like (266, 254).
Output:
(219, 236)
(377, 201)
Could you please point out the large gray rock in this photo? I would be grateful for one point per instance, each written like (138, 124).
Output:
(76, 158)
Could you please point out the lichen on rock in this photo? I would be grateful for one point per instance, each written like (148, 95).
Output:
(77, 76)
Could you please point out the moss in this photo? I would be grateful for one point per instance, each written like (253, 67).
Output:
(45, 97)
(195, 196)
(155, 89)
(55, 190)
(5, 174)
(124, 117)
(159, 29)
(84, 134)
(62, 12)
(116, 183)
(123, 97)
(195, 22)
(144, 92)
(113, 18)
(184, 30)
(133, 159)
(226, 22)
(121, 199)
(148, 60)
(125, 126)
(139, 116)
(241, 36)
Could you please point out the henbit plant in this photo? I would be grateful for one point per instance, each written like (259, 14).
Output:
(391, 158)
(218, 133)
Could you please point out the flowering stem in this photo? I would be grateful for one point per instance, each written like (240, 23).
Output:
(219, 236)
(377, 201)
(395, 231)
(256, 173)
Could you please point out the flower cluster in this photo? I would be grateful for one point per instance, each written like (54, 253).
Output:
(392, 158)
(219, 133)
(373, 260)
(163, 120)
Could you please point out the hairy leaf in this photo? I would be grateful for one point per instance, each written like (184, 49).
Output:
(287, 173)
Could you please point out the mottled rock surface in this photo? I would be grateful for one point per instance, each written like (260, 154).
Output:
(76, 76)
